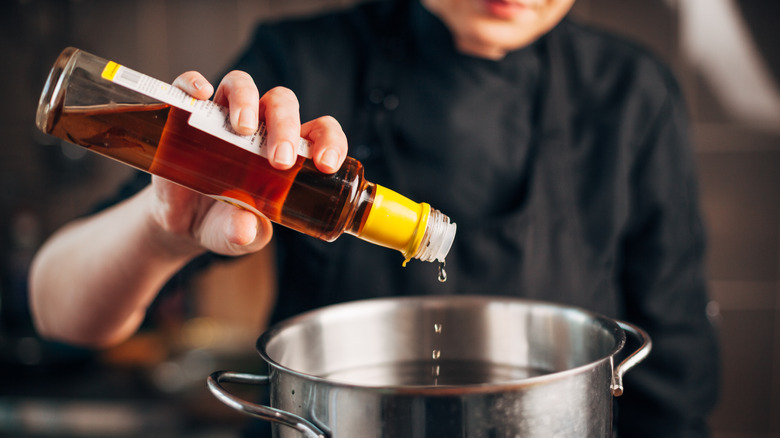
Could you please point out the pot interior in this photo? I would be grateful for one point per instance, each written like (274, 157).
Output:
(439, 341)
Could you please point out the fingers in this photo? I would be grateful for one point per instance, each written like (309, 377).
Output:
(228, 230)
(329, 143)
(280, 110)
(194, 84)
(238, 92)
(196, 222)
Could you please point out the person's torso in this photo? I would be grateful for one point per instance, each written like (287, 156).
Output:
(512, 151)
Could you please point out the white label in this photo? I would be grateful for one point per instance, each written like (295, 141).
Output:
(205, 114)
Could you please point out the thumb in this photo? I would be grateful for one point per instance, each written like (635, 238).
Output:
(229, 230)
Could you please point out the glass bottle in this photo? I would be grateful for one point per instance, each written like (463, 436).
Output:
(152, 126)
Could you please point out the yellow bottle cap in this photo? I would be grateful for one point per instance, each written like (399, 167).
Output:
(396, 222)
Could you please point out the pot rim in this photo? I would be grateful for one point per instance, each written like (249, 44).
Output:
(443, 390)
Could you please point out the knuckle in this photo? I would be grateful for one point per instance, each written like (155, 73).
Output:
(239, 75)
(186, 78)
(244, 94)
(281, 93)
(326, 132)
(328, 127)
(239, 83)
(329, 122)
(281, 97)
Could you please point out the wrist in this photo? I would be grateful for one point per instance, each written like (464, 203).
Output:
(166, 238)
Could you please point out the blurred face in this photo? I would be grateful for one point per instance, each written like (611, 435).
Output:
(491, 28)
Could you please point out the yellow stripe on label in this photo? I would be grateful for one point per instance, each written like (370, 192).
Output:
(110, 70)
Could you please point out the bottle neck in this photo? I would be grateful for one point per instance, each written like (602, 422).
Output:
(415, 229)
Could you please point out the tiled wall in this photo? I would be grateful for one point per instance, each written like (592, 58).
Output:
(44, 185)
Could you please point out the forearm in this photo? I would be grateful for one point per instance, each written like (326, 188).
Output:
(92, 281)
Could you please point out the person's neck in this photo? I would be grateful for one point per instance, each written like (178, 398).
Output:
(490, 53)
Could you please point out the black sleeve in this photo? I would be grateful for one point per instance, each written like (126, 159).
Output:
(663, 277)
(132, 186)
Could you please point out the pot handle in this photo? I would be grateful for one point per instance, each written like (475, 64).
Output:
(267, 413)
(633, 359)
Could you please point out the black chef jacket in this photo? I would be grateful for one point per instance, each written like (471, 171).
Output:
(566, 165)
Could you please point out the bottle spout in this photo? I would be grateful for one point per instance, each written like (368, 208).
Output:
(415, 229)
(438, 238)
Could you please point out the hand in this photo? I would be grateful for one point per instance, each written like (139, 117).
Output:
(163, 227)
(199, 222)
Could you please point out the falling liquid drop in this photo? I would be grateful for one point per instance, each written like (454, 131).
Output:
(436, 354)
(437, 328)
(442, 272)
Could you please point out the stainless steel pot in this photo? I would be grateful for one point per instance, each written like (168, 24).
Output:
(441, 366)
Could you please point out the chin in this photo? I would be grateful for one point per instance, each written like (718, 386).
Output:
(504, 38)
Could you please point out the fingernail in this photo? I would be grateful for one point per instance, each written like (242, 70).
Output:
(201, 85)
(247, 119)
(330, 159)
(285, 154)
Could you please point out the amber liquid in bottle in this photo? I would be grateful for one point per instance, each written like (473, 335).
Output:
(145, 123)
(158, 139)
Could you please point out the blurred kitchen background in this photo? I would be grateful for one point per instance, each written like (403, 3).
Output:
(724, 52)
